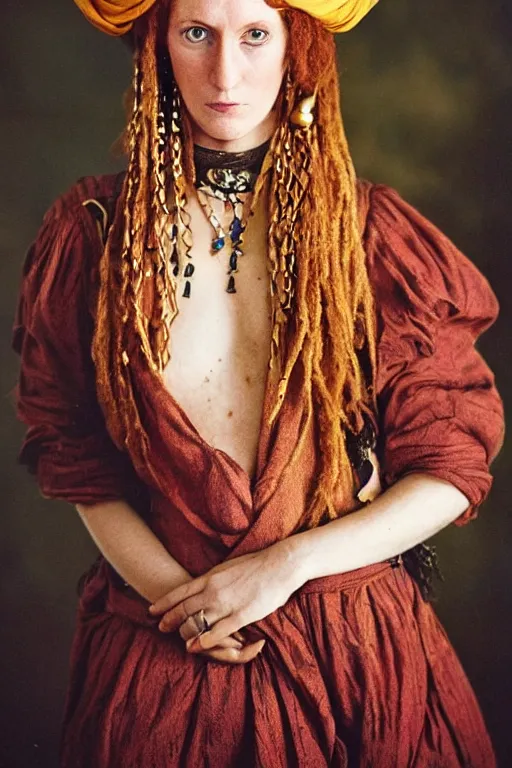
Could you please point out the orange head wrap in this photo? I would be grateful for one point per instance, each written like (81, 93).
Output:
(335, 15)
(116, 17)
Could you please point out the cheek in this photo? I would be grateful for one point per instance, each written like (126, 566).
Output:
(183, 64)
(268, 75)
(187, 73)
(177, 62)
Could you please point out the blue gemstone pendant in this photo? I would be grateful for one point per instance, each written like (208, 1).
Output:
(218, 244)
(236, 229)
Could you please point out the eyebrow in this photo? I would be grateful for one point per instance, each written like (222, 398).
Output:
(199, 23)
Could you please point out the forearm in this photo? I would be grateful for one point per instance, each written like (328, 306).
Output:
(132, 548)
(411, 511)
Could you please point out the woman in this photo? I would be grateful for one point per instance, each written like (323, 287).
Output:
(251, 605)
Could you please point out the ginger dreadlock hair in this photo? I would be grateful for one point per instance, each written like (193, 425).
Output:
(321, 296)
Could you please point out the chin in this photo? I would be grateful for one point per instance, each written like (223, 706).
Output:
(247, 136)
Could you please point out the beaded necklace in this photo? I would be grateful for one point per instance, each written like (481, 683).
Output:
(227, 176)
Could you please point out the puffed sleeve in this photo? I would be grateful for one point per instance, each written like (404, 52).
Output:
(66, 444)
(439, 410)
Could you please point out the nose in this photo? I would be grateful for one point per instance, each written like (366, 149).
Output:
(226, 65)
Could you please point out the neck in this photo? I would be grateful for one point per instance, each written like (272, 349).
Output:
(228, 173)
(255, 138)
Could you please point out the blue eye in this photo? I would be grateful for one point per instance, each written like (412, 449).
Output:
(196, 34)
(256, 36)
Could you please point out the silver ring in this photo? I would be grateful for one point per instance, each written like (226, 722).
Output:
(201, 622)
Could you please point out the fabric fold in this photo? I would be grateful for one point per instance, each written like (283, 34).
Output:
(356, 669)
(66, 445)
(439, 409)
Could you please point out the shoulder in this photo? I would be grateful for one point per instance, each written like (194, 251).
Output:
(86, 188)
(60, 267)
(70, 225)
(416, 266)
(69, 210)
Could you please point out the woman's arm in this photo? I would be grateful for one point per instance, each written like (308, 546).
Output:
(409, 512)
(140, 558)
(132, 548)
(248, 588)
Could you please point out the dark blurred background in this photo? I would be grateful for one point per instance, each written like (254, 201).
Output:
(427, 103)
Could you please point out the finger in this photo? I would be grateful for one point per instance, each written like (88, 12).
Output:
(178, 616)
(175, 596)
(232, 656)
(230, 642)
(191, 605)
(227, 656)
(218, 632)
(249, 652)
(189, 630)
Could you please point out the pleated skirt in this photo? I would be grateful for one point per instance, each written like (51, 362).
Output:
(356, 671)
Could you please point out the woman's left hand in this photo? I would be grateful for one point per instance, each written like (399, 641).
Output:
(232, 595)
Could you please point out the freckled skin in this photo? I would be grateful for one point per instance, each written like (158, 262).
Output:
(238, 326)
(221, 342)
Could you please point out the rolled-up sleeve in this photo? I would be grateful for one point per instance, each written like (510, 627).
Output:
(66, 444)
(439, 410)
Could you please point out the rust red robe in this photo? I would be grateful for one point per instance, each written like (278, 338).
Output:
(356, 670)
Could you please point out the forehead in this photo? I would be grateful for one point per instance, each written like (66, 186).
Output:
(221, 13)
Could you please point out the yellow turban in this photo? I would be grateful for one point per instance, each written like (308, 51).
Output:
(335, 15)
(115, 17)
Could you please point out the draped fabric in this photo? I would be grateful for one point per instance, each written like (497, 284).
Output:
(335, 15)
(356, 670)
(440, 410)
(116, 17)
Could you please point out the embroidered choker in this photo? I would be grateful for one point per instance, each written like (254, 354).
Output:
(226, 176)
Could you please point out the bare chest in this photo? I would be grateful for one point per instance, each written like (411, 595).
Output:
(220, 345)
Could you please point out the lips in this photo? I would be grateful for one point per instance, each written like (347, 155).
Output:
(222, 106)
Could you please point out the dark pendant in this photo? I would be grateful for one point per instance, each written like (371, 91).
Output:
(218, 244)
(236, 229)
(231, 285)
(233, 262)
(186, 291)
(189, 270)
(175, 270)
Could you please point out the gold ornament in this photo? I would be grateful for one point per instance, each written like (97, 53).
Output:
(303, 116)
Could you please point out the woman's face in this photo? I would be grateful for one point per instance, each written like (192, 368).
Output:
(228, 61)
